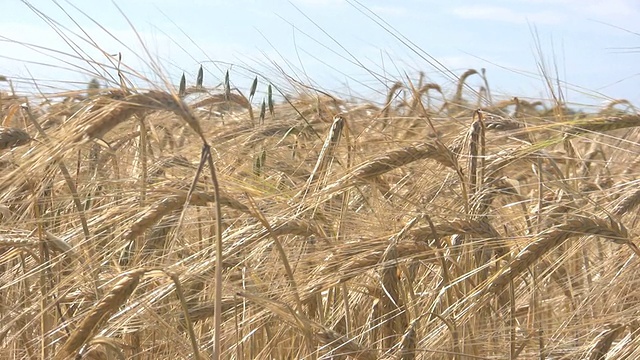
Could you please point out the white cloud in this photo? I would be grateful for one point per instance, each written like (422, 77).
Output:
(389, 10)
(611, 8)
(503, 14)
(458, 61)
(318, 2)
(601, 8)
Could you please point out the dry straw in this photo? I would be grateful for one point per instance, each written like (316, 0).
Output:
(525, 196)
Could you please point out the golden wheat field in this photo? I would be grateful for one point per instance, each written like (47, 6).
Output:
(189, 221)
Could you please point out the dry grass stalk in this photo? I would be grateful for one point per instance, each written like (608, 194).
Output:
(343, 345)
(161, 165)
(482, 199)
(185, 310)
(457, 98)
(359, 257)
(204, 311)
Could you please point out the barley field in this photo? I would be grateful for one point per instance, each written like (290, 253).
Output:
(195, 221)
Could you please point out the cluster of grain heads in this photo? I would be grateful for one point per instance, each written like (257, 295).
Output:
(231, 98)
(314, 333)
(324, 230)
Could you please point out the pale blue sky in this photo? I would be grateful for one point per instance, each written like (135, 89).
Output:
(337, 45)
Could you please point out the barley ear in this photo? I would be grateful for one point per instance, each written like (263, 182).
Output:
(408, 343)
(200, 78)
(602, 343)
(457, 98)
(97, 317)
(227, 86)
(183, 86)
(270, 99)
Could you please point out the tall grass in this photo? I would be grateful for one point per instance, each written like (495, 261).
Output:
(154, 224)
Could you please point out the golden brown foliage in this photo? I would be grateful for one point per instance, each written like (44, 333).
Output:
(396, 233)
